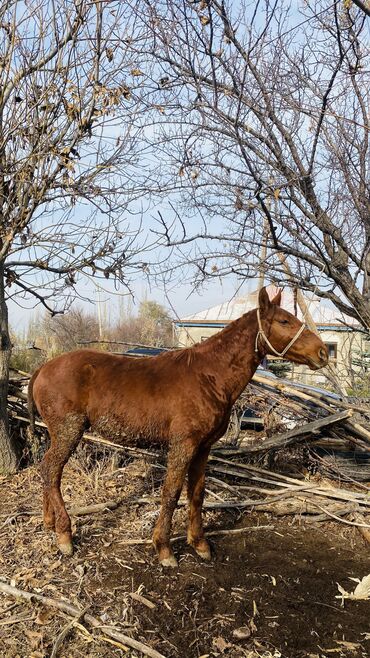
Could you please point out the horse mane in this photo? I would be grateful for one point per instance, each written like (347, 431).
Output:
(185, 354)
(211, 344)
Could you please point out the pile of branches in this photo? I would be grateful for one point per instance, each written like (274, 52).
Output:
(296, 414)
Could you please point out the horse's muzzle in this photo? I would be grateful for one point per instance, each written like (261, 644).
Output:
(321, 361)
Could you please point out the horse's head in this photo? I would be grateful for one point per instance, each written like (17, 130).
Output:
(284, 335)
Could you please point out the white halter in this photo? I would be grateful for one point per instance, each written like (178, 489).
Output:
(263, 335)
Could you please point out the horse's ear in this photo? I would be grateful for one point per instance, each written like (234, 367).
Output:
(277, 299)
(263, 301)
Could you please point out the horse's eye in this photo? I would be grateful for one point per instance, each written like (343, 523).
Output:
(284, 321)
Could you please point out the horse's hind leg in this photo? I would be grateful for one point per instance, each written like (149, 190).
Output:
(196, 484)
(179, 458)
(65, 437)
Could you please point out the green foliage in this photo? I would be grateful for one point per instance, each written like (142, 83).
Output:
(361, 387)
(361, 361)
(280, 368)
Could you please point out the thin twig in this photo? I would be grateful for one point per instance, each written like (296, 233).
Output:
(64, 632)
(141, 599)
(337, 518)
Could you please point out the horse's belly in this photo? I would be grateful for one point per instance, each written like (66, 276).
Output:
(121, 430)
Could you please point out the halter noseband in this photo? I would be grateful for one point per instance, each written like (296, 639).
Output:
(261, 333)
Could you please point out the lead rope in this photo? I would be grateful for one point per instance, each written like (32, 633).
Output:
(264, 337)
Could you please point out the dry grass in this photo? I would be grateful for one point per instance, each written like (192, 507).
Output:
(189, 613)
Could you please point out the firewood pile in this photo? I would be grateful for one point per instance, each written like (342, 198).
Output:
(297, 415)
(311, 460)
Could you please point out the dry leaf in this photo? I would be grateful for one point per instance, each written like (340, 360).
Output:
(220, 644)
(34, 637)
(44, 616)
(360, 593)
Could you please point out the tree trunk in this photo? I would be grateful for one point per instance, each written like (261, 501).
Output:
(8, 453)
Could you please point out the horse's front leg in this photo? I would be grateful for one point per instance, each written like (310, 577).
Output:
(196, 485)
(179, 458)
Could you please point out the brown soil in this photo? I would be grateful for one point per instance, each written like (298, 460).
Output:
(278, 586)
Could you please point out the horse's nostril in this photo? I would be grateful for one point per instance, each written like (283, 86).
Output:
(323, 354)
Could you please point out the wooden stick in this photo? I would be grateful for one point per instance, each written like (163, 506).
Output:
(360, 519)
(141, 599)
(340, 494)
(320, 399)
(314, 518)
(15, 619)
(212, 533)
(289, 390)
(298, 433)
(354, 523)
(358, 429)
(224, 485)
(333, 402)
(76, 511)
(73, 611)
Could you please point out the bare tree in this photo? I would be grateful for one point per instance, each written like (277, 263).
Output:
(66, 332)
(263, 121)
(152, 325)
(69, 127)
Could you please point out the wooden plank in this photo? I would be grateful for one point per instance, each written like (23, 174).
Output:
(298, 433)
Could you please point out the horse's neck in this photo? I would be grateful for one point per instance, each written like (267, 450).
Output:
(233, 354)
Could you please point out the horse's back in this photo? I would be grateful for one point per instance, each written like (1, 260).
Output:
(103, 385)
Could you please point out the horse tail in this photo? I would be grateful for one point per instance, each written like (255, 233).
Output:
(30, 401)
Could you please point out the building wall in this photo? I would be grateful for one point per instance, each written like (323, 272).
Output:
(187, 336)
(347, 344)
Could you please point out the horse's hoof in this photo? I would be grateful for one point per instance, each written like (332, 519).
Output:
(66, 549)
(65, 546)
(205, 554)
(202, 549)
(169, 562)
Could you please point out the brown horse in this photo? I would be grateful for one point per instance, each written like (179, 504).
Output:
(182, 399)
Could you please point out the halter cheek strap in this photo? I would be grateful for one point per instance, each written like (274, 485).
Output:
(261, 333)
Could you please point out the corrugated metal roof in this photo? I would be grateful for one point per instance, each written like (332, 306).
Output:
(234, 308)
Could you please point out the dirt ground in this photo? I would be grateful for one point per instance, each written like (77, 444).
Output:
(268, 593)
